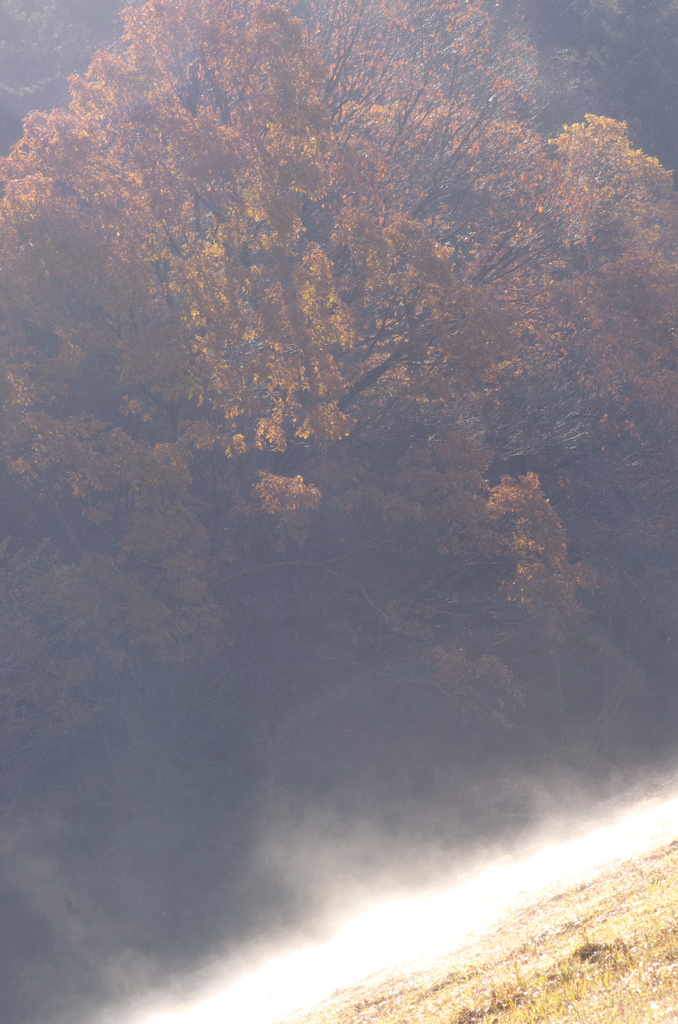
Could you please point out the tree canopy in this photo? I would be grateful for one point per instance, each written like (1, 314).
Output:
(276, 274)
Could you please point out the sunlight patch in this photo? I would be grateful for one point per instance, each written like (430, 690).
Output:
(411, 930)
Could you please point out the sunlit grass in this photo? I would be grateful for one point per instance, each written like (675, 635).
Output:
(605, 952)
(580, 930)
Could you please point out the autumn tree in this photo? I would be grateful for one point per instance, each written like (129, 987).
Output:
(589, 405)
(302, 259)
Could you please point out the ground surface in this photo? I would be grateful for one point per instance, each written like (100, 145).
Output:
(602, 952)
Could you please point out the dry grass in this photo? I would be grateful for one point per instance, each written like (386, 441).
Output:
(601, 953)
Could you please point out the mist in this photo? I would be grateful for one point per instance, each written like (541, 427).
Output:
(402, 933)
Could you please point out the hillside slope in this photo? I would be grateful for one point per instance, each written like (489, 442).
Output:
(601, 952)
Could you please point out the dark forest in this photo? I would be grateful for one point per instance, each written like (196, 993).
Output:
(338, 389)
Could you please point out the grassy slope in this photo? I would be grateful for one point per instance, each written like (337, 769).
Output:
(600, 953)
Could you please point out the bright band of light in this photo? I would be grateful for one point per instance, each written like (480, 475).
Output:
(409, 930)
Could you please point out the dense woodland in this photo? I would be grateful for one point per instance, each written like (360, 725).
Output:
(338, 380)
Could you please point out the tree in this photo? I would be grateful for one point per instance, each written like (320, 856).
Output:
(589, 404)
(275, 269)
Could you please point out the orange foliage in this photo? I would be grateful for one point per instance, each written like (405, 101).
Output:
(256, 245)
